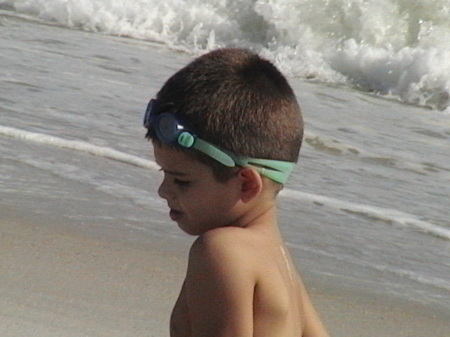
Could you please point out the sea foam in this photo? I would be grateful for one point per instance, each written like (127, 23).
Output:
(395, 48)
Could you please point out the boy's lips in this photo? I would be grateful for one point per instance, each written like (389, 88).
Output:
(175, 215)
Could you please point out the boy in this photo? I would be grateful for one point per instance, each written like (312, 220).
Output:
(226, 132)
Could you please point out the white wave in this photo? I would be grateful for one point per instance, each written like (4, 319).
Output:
(77, 146)
(388, 215)
(403, 273)
(397, 48)
(382, 214)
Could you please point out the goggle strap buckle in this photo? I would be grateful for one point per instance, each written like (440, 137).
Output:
(186, 139)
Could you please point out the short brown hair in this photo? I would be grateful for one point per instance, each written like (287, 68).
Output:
(238, 101)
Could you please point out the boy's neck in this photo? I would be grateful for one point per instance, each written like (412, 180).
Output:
(262, 217)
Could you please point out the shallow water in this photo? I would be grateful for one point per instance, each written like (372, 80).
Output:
(366, 207)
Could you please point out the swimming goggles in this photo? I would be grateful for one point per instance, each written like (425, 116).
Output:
(170, 129)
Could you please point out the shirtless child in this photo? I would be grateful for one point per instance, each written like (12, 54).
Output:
(226, 132)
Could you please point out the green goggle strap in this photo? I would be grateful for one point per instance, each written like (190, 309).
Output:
(187, 140)
(275, 170)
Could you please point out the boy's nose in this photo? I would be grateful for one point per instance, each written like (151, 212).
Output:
(163, 190)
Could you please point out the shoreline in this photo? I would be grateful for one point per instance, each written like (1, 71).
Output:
(57, 280)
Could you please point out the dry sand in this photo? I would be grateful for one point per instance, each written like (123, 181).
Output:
(58, 280)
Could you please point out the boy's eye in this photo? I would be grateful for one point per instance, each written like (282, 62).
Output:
(181, 183)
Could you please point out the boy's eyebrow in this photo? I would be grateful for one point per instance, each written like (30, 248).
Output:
(174, 173)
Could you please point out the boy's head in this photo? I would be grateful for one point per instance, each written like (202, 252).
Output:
(237, 101)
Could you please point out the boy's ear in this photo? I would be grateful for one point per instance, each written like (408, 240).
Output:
(251, 183)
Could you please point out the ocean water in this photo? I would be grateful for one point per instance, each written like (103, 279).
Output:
(368, 205)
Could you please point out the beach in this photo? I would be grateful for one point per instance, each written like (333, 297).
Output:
(58, 281)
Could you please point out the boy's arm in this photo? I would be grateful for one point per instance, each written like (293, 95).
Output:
(179, 320)
(313, 325)
(219, 290)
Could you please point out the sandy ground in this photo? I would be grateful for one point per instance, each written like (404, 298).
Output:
(56, 280)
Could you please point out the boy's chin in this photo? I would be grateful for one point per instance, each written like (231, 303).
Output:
(190, 229)
(185, 227)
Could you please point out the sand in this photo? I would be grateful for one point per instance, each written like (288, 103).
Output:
(57, 279)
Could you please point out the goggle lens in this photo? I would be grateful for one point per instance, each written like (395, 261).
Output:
(167, 128)
(149, 114)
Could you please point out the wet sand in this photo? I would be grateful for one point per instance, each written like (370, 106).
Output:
(59, 280)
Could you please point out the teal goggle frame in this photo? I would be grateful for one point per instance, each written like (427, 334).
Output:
(171, 130)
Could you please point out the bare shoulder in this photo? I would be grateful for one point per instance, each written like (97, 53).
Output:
(219, 290)
(227, 245)
(224, 239)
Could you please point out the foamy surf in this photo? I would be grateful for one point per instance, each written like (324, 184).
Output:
(440, 283)
(376, 213)
(385, 215)
(77, 145)
(395, 48)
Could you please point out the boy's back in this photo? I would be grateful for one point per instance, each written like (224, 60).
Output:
(243, 276)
